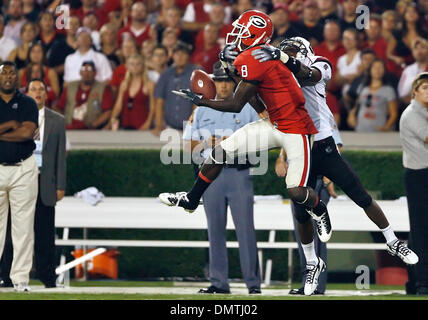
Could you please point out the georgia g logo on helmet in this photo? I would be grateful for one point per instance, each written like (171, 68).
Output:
(252, 28)
(258, 22)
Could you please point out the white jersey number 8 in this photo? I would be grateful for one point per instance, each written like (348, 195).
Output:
(244, 71)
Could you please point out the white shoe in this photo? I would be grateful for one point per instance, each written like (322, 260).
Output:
(400, 249)
(22, 287)
(312, 273)
(178, 199)
(323, 225)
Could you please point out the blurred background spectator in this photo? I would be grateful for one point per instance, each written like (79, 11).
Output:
(64, 47)
(31, 10)
(90, 21)
(129, 46)
(309, 26)
(134, 106)
(377, 108)
(7, 45)
(348, 64)
(207, 55)
(328, 10)
(84, 52)
(86, 103)
(36, 55)
(158, 63)
(139, 29)
(14, 20)
(282, 26)
(170, 109)
(108, 44)
(420, 55)
(28, 36)
(47, 30)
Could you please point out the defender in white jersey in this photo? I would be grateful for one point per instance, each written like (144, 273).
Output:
(313, 73)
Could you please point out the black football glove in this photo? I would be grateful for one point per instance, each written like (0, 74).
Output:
(228, 54)
(267, 53)
(189, 95)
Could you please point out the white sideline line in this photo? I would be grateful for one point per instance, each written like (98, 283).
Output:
(193, 290)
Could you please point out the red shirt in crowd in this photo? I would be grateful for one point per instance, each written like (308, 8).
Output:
(139, 37)
(135, 110)
(199, 40)
(206, 58)
(101, 15)
(81, 97)
(118, 76)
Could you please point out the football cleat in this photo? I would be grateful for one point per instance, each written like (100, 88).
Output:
(178, 199)
(312, 274)
(323, 225)
(400, 249)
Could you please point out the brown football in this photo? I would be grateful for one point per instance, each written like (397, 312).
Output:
(201, 83)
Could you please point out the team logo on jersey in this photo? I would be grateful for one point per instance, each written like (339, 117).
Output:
(15, 106)
(258, 22)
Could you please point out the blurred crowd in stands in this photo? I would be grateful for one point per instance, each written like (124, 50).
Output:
(111, 64)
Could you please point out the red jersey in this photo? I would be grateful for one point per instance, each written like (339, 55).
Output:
(142, 36)
(280, 92)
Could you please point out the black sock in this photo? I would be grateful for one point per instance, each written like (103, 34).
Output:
(201, 184)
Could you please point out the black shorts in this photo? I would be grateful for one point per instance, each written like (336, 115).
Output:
(327, 161)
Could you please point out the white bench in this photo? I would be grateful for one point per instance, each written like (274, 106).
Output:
(270, 215)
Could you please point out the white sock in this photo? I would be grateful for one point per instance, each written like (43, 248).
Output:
(309, 251)
(389, 235)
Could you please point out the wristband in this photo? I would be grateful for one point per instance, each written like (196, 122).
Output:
(293, 64)
(284, 57)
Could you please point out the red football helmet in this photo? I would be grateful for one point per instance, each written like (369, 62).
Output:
(253, 27)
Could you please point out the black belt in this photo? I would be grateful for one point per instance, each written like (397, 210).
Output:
(323, 141)
(15, 164)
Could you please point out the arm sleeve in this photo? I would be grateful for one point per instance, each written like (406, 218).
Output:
(67, 75)
(160, 87)
(404, 85)
(190, 132)
(105, 73)
(61, 165)
(390, 94)
(189, 14)
(324, 68)
(418, 126)
(31, 113)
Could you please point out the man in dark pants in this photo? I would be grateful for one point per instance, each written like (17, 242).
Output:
(51, 161)
(414, 137)
(233, 188)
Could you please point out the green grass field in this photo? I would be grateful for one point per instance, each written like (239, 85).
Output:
(107, 290)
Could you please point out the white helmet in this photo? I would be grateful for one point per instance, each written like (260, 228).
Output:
(300, 45)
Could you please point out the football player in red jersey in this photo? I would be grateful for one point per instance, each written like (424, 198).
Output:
(288, 125)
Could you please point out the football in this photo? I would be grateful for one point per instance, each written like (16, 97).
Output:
(201, 83)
